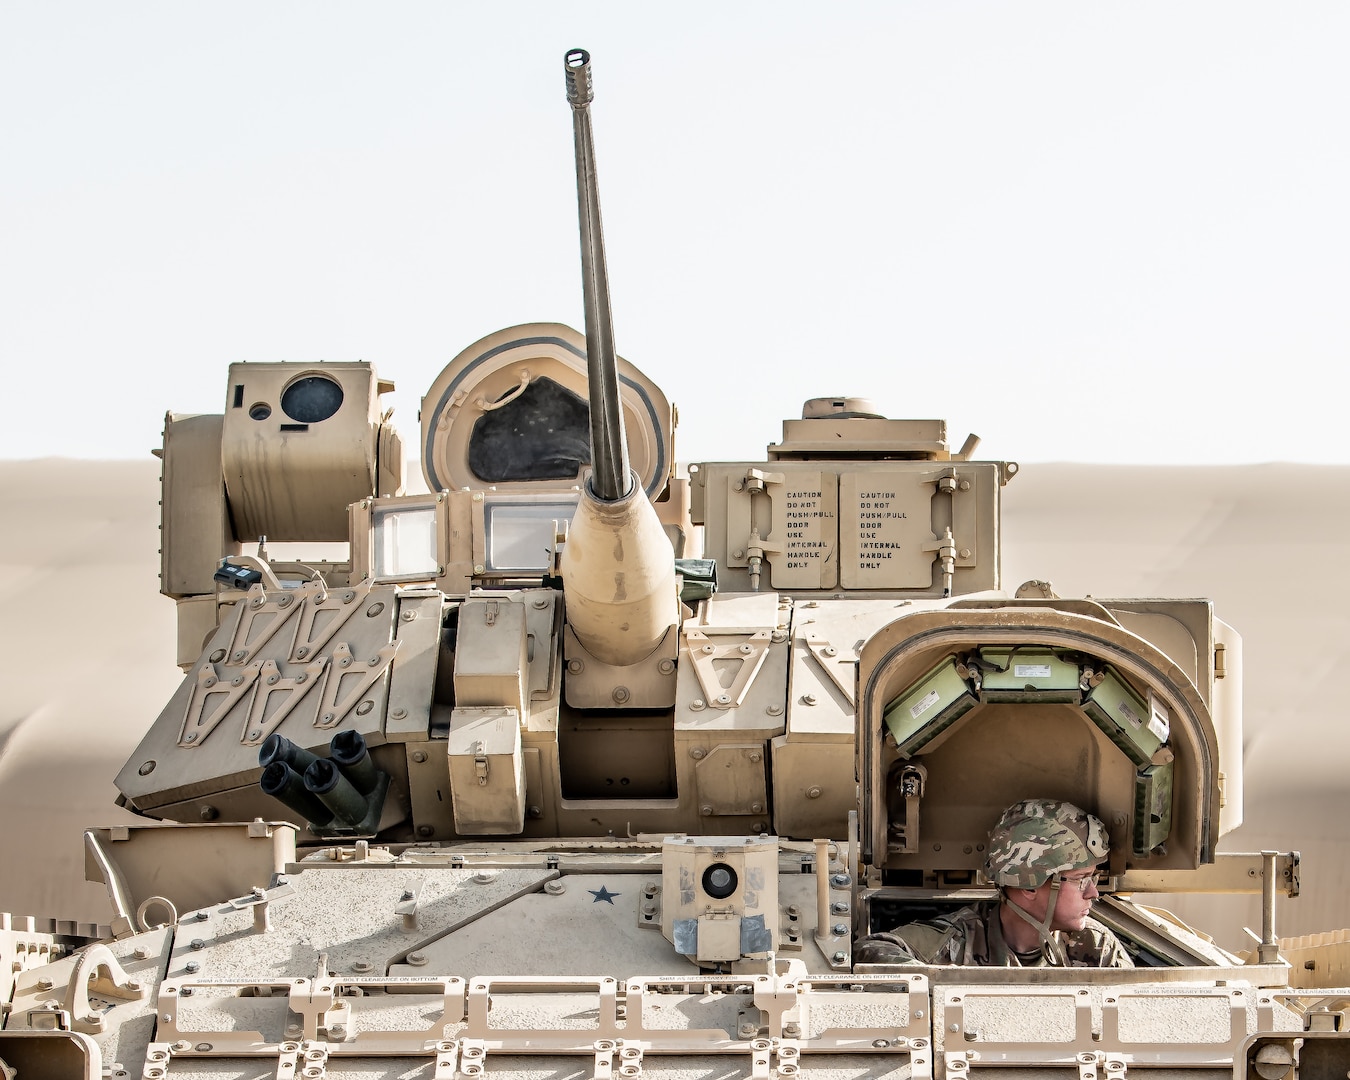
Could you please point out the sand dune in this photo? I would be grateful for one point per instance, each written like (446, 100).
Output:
(88, 646)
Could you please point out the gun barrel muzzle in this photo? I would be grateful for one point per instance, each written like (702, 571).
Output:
(580, 90)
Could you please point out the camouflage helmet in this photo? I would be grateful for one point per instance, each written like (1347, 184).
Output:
(1036, 839)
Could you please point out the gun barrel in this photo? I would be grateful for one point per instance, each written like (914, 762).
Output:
(618, 568)
(610, 477)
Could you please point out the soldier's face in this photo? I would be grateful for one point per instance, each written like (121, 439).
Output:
(1073, 901)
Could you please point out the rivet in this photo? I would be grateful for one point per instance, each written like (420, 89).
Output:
(479, 568)
(756, 756)
(774, 710)
(756, 808)
(417, 959)
(808, 699)
(697, 753)
(365, 707)
(540, 602)
(398, 712)
(706, 811)
(239, 655)
(302, 652)
(419, 756)
(425, 830)
(190, 737)
(574, 667)
(665, 667)
(813, 793)
(709, 648)
(410, 615)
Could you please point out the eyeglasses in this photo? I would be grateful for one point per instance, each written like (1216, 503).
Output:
(1082, 884)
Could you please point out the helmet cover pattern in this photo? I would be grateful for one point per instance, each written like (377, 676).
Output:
(1036, 839)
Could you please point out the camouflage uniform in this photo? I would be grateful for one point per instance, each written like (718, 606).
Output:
(974, 936)
(1035, 841)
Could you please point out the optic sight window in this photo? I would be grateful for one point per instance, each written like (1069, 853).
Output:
(311, 399)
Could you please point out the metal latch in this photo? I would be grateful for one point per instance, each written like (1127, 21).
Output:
(480, 763)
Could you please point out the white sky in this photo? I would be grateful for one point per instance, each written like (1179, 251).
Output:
(1086, 231)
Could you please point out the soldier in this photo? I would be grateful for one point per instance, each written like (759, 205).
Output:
(1043, 856)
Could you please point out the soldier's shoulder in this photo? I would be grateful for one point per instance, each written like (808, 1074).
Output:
(1096, 946)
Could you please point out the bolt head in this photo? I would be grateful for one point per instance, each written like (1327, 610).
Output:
(840, 957)
(839, 929)
(706, 811)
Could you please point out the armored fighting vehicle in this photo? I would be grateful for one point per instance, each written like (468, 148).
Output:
(580, 763)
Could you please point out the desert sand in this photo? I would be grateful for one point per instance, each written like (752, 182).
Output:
(88, 646)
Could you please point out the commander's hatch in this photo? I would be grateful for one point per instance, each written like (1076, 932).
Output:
(511, 413)
(966, 710)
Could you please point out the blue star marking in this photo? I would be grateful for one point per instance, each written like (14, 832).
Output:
(603, 894)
